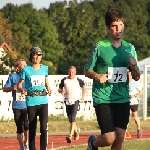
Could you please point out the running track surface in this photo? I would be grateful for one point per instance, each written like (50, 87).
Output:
(58, 141)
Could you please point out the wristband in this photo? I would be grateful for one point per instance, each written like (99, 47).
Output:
(48, 86)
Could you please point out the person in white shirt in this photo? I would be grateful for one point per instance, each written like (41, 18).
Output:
(70, 87)
(135, 90)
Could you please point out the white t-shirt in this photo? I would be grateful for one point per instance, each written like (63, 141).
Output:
(134, 88)
(72, 87)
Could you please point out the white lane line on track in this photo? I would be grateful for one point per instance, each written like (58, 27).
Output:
(8, 147)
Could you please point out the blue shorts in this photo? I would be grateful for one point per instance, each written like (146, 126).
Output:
(71, 111)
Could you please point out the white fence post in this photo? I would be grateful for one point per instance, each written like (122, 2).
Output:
(145, 93)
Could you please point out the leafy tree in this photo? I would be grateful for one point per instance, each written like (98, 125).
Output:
(33, 28)
(5, 29)
(66, 31)
(6, 36)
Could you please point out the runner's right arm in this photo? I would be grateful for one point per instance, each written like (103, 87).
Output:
(9, 87)
(61, 86)
(19, 86)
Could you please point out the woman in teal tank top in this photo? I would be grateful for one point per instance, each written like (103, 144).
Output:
(37, 86)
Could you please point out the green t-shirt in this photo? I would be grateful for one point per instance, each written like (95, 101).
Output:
(105, 58)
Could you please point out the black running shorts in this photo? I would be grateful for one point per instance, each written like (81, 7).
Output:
(134, 108)
(21, 120)
(113, 115)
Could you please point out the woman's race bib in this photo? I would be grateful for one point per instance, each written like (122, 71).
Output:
(37, 80)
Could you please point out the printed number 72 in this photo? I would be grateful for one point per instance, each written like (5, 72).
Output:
(118, 75)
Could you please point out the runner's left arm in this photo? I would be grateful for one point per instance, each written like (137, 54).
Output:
(133, 64)
(48, 86)
(82, 85)
(47, 82)
(9, 85)
(61, 86)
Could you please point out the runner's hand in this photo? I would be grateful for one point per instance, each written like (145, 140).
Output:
(24, 92)
(49, 92)
(134, 71)
(132, 63)
(132, 96)
(14, 87)
(82, 100)
(102, 78)
(64, 92)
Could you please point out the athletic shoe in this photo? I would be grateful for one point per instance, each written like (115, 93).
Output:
(68, 139)
(76, 135)
(90, 141)
(26, 147)
(139, 133)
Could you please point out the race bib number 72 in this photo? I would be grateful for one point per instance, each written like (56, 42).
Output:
(117, 74)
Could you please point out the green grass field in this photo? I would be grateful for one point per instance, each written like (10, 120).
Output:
(62, 125)
(128, 145)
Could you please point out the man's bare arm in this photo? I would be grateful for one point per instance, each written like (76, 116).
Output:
(133, 68)
(83, 92)
(90, 74)
(19, 85)
(102, 78)
(8, 89)
(60, 90)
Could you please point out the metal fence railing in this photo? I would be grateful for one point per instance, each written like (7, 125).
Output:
(145, 101)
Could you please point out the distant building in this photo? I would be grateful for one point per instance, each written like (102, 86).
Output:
(4, 48)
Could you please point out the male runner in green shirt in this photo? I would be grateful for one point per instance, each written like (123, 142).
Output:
(107, 65)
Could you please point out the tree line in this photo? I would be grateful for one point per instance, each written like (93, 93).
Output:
(67, 30)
